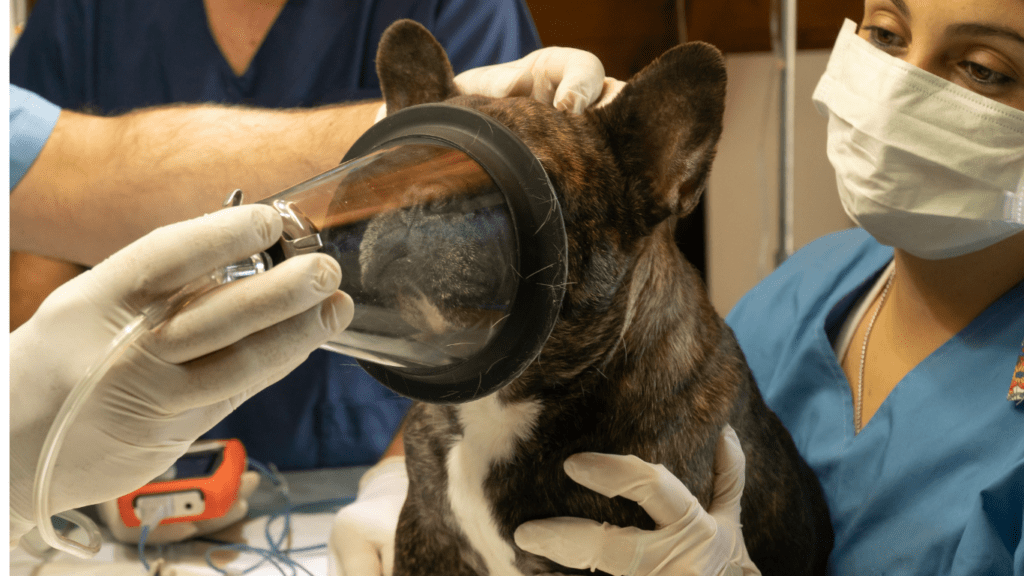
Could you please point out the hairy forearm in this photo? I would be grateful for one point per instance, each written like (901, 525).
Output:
(101, 183)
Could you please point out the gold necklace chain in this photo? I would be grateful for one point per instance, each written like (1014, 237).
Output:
(864, 354)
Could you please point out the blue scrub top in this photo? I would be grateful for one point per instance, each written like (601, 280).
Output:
(32, 121)
(934, 482)
(117, 55)
(110, 56)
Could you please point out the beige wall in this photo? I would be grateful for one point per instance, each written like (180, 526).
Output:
(742, 202)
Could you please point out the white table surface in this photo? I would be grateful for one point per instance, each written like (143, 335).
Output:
(188, 559)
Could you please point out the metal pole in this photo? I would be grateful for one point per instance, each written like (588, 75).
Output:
(787, 128)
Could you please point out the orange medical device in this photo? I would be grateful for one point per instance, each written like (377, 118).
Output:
(202, 484)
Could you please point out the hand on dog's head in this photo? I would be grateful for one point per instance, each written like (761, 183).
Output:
(662, 127)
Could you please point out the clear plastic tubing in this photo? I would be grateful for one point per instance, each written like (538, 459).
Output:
(154, 315)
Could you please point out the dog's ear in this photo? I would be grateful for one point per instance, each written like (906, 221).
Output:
(664, 126)
(412, 67)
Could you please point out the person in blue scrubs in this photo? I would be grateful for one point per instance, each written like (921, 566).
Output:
(888, 350)
(114, 56)
(156, 401)
(90, 188)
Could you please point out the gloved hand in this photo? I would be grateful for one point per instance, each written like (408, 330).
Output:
(178, 531)
(566, 78)
(362, 541)
(174, 383)
(687, 539)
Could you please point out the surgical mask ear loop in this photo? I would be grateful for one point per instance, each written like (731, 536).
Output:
(154, 315)
(1013, 207)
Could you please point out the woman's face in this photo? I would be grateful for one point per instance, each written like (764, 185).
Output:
(977, 44)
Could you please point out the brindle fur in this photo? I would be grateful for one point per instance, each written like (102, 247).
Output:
(639, 362)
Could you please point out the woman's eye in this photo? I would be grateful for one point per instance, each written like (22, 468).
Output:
(884, 38)
(983, 75)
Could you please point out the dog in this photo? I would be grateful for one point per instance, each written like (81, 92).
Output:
(638, 361)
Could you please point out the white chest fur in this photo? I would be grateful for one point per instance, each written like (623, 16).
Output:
(491, 432)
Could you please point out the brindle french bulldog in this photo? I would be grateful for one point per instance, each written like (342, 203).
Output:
(638, 362)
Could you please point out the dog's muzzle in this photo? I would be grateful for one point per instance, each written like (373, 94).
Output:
(451, 243)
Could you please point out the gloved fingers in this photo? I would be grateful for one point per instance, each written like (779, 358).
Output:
(576, 75)
(730, 475)
(583, 544)
(498, 80)
(658, 491)
(231, 312)
(238, 371)
(609, 91)
(353, 554)
(567, 78)
(170, 257)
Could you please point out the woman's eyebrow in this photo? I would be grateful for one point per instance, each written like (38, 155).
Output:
(983, 30)
(902, 7)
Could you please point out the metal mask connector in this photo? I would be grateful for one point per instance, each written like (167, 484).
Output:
(299, 235)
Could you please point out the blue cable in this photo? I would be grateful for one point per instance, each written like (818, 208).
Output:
(142, 547)
(274, 554)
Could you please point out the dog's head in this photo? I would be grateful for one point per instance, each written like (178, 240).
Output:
(623, 173)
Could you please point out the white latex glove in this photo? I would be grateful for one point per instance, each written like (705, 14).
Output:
(567, 78)
(178, 531)
(687, 540)
(175, 383)
(362, 541)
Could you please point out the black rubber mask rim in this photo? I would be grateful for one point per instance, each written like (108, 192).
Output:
(542, 248)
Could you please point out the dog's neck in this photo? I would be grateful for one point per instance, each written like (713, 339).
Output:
(653, 290)
(660, 310)
(667, 317)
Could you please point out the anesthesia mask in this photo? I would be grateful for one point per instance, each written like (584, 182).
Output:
(451, 244)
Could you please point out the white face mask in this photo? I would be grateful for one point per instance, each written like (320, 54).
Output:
(922, 164)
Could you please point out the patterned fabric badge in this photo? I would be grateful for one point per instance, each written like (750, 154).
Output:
(1016, 393)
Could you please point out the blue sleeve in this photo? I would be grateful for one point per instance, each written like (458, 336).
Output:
(32, 121)
(476, 33)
